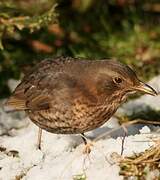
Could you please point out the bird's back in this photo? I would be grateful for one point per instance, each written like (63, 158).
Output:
(48, 76)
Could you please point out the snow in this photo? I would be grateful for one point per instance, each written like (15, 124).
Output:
(62, 156)
(145, 129)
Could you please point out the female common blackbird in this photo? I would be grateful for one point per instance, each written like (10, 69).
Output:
(70, 96)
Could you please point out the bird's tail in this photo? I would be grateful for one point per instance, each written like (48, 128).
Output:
(15, 103)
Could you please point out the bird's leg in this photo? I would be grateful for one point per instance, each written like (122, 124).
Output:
(84, 138)
(88, 145)
(39, 138)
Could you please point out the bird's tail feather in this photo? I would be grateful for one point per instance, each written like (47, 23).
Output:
(15, 103)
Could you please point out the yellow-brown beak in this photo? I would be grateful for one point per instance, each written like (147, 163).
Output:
(145, 88)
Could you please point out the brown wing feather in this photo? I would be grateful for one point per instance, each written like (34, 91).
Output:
(38, 89)
(33, 85)
(17, 100)
(40, 102)
(15, 103)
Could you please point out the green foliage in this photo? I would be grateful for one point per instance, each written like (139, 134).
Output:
(11, 22)
(80, 177)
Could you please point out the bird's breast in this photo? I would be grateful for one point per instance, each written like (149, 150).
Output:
(80, 117)
(88, 117)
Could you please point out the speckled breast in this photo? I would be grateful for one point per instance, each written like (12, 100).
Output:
(79, 119)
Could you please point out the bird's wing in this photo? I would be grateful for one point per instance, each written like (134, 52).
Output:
(29, 95)
(42, 92)
(35, 84)
(48, 83)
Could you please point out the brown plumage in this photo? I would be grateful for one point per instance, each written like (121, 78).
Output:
(67, 96)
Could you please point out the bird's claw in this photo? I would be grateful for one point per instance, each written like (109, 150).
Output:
(87, 148)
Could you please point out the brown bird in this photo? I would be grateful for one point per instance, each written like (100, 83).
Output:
(73, 96)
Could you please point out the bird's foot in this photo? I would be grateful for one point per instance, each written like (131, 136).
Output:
(87, 148)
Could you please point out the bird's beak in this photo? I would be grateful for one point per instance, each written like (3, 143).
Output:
(146, 89)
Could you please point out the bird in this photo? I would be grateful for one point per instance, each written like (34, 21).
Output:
(66, 95)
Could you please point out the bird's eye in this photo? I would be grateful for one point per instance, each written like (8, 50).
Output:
(117, 80)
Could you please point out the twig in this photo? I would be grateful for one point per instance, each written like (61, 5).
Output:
(123, 139)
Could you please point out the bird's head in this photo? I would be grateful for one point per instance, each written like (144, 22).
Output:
(116, 78)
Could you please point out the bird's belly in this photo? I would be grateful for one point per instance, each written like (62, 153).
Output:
(54, 122)
(94, 119)
(71, 122)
